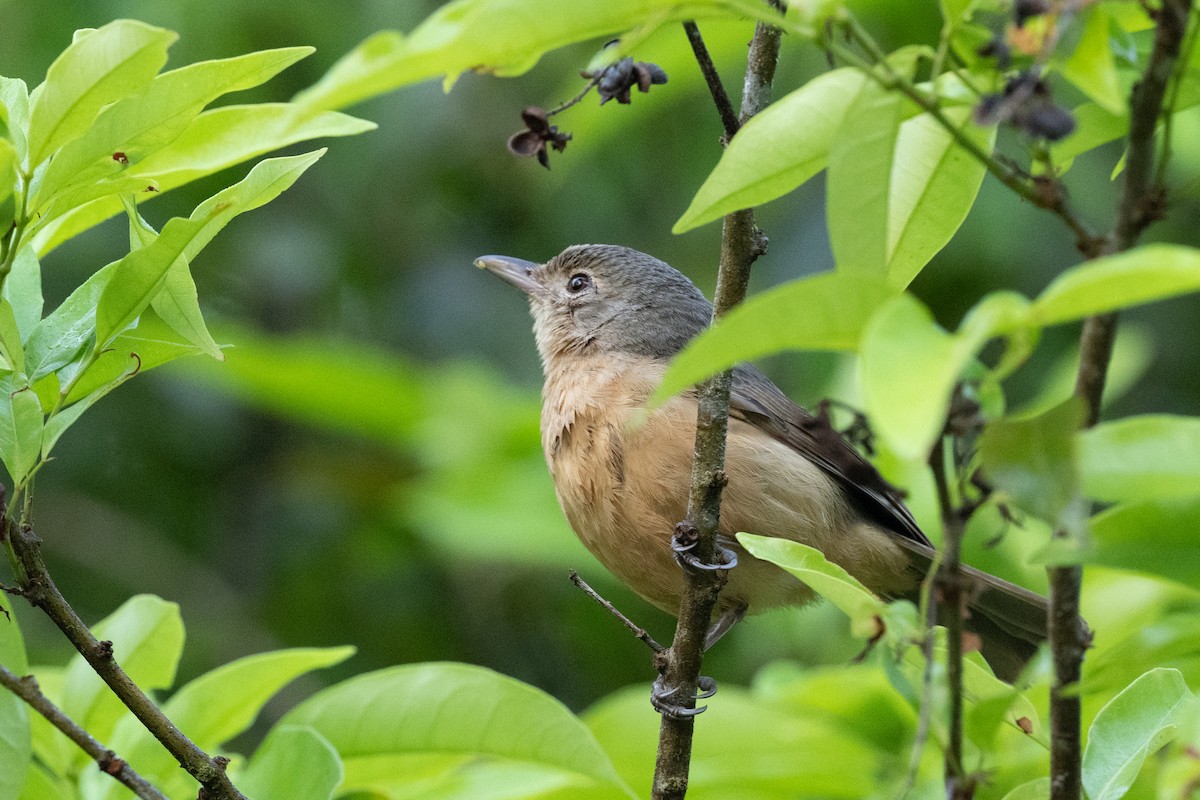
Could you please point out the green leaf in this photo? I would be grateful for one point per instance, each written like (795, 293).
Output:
(861, 158)
(501, 37)
(20, 427)
(292, 763)
(212, 709)
(139, 125)
(934, 183)
(12, 354)
(14, 112)
(64, 334)
(8, 171)
(147, 636)
(778, 149)
(15, 748)
(448, 710)
(138, 277)
(1036, 789)
(1033, 460)
(1142, 275)
(23, 289)
(1155, 536)
(1132, 726)
(1091, 66)
(214, 140)
(753, 752)
(98, 68)
(1150, 457)
(41, 784)
(821, 312)
(827, 579)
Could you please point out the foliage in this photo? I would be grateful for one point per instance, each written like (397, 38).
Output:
(108, 131)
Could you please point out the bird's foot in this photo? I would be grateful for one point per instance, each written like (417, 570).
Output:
(665, 699)
(683, 545)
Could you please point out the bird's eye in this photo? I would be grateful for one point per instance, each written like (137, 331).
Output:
(578, 282)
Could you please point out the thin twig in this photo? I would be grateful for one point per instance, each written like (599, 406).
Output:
(636, 630)
(948, 592)
(741, 244)
(27, 689)
(720, 97)
(39, 589)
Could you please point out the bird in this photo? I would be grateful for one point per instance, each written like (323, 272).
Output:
(607, 320)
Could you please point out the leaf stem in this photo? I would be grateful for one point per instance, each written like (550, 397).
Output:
(27, 689)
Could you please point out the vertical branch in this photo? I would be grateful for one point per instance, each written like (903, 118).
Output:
(741, 244)
(1141, 204)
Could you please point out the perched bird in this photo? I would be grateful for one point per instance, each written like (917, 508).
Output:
(607, 321)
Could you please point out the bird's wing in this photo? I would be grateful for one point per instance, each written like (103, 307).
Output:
(756, 400)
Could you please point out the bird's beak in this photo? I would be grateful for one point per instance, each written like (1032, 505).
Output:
(516, 271)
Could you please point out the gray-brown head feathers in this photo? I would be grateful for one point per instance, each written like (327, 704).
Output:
(606, 298)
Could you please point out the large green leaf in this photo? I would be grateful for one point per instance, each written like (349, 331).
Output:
(1142, 275)
(214, 140)
(1134, 725)
(9, 161)
(1141, 458)
(98, 68)
(12, 354)
(822, 312)
(1091, 67)
(827, 579)
(139, 125)
(292, 763)
(20, 427)
(64, 334)
(147, 637)
(23, 288)
(1154, 536)
(778, 149)
(502, 37)
(138, 277)
(379, 721)
(15, 747)
(1033, 460)
(861, 159)
(211, 710)
(14, 112)
(934, 184)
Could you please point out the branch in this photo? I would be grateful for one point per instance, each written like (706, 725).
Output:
(636, 630)
(1141, 204)
(741, 244)
(27, 689)
(39, 589)
(720, 97)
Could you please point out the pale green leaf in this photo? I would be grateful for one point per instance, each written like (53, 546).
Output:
(502, 37)
(1091, 67)
(292, 763)
(138, 277)
(452, 710)
(99, 67)
(1153, 536)
(147, 637)
(821, 312)
(14, 111)
(20, 425)
(778, 149)
(1033, 460)
(214, 140)
(139, 125)
(1133, 725)
(1036, 789)
(15, 747)
(23, 288)
(12, 353)
(934, 183)
(8, 170)
(1141, 458)
(827, 579)
(212, 709)
(1142, 275)
(861, 157)
(907, 369)
(42, 784)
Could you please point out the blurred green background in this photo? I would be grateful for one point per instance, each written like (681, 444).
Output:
(365, 467)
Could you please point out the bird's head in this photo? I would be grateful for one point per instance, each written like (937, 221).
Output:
(599, 298)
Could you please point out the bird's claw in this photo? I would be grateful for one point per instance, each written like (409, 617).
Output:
(662, 697)
(684, 542)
